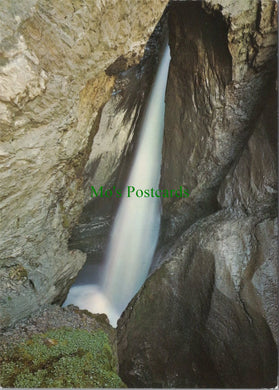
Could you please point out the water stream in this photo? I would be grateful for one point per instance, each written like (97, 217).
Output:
(136, 226)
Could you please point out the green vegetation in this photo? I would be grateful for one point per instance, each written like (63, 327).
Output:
(18, 272)
(61, 358)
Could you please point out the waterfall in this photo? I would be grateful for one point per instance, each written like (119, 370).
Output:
(136, 226)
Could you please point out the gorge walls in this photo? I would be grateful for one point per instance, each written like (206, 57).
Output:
(74, 78)
(219, 77)
(53, 83)
(207, 315)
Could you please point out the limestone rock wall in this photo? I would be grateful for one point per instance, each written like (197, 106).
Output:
(53, 57)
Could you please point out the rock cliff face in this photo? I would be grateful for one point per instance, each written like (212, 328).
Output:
(71, 95)
(202, 311)
(219, 77)
(208, 315)
(53, 57)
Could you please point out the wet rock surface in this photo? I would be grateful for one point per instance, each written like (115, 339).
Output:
(213, 100)
(207, 316)
(252, 181)
(201, 319)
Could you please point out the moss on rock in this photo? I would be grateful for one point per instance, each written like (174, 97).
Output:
(61, 358)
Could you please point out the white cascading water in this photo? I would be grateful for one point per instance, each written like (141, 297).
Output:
(136, 226)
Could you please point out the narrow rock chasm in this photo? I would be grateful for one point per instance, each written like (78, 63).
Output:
(207, 314)
(205, 280)
(201, 307)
